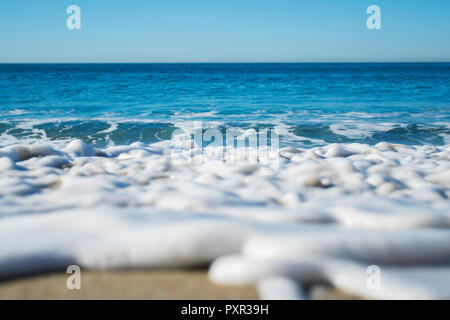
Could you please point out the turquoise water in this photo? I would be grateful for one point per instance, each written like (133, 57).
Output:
(311, 104)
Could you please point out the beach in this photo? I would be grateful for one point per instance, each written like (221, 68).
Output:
(139, 285)
(356, 207)
(212, 181)
(125, 285)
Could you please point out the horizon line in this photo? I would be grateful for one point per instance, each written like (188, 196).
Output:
(235, 62)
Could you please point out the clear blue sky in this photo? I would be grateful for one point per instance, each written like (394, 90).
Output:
(224, 31)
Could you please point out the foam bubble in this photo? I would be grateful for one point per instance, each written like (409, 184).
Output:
(324, 215)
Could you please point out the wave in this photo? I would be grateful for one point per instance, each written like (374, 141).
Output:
(104, 132)
(323, 215)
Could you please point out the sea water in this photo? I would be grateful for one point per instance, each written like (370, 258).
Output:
(354, 195)
(312, 104)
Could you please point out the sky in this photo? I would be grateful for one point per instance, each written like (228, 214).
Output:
(224, 31)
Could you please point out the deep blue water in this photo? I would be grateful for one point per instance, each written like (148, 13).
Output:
(311, 104)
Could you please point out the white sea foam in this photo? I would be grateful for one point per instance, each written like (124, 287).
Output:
(324, 215)
(191, 115)
(359, 130)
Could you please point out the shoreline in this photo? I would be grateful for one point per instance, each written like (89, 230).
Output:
(124, 285)
(177, 284)
(326, 215)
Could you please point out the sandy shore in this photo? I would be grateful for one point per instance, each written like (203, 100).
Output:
(136, 284)
(328, 215)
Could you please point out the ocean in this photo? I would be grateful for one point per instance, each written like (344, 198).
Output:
(311, 104)
(346, 182)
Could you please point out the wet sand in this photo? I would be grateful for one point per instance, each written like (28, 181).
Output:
(135, 284)
(161, 285)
